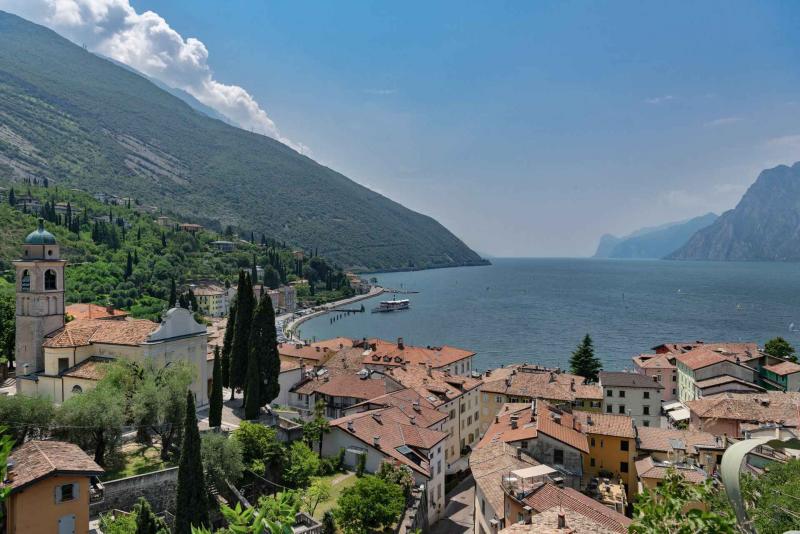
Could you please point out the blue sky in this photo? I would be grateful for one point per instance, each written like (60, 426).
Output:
(527, 128)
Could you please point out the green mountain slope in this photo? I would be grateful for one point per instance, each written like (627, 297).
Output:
(82, 121)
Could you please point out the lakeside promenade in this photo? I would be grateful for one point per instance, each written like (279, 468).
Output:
(290, 323)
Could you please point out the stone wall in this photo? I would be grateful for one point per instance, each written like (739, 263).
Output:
(158, 488)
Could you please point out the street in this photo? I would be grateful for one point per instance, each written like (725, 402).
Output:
(458, 514)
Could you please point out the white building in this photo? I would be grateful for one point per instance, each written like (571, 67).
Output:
(633, 394)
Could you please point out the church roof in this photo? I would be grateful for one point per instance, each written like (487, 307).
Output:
(40, 236)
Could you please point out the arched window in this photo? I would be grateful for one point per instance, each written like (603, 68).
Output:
(76, 389)
(50, 280)
(25, 284)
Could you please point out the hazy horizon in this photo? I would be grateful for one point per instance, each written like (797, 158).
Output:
(528, 130)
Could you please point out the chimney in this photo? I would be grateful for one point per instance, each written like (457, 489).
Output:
(488, 372)
(317, 348)
(508, 382)
(377, 417)
(413, 419)
(572, 385)
(350, 426)
(562, 520)
(376, 442)
(519, 453)
(415, 405)
(589, 420)
(578, 425)
(428, 369)
(400, 344)
(496, 418)
(513, 424)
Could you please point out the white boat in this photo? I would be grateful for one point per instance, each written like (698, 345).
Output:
(392, 305)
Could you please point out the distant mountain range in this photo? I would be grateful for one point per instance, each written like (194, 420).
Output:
(764, 226)
(654, 242)
(82, 121)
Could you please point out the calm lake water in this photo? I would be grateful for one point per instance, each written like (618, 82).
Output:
(537, 310)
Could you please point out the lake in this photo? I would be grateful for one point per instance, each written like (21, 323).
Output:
(537, 310)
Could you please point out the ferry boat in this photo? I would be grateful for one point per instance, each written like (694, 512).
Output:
(392, 305)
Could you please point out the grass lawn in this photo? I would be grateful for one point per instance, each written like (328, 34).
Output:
(136, 459)
(338, 482)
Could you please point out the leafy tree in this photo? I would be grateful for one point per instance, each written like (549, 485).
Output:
(245, 303)
(222, 459)
(118, 524)
(317, 492)
(12, 197)
(272, 278)
(191, 501)
(215, 402)
(780, 348)
(6, 443)
(774, 498)
(314, 430)
(328, 523)
(583, 361)
(146, 521)
(663, 510)
(361, 464)
(397, 474)
(248, 520)
(93, 420)
(27, 417)
(261, 450)
(371, 504)
(7, 332)
(302, 464)
(173, 294)
(281, 507)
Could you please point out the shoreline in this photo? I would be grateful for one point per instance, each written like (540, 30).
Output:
(291, 327)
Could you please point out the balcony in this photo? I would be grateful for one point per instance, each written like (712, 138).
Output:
(95, 490)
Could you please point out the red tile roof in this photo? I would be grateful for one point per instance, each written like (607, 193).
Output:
(700, 357)
(652, 439)
(550, 496)
(409, 401)
(489, 463)
(389, 353)
(548, 385)
(727, 379)
(654, 361)
(94, 368)
(312, 353)
(438, 387)
(605, 424)
(767, 407)
(93, 311)
(89, 331)
(35, 460)
(647, 468)
(783, 368)
(347, 385)
(547, 523)
(627, 380)
(548, 420)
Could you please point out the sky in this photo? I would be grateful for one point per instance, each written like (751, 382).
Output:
(526, 128)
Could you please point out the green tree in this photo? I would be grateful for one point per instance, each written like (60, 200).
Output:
(317, 492)
(261, 450)
(663, 510)
(215, 402)
(773, 498)
(173, 294)
(780, 348)
(272, 277)
(93, 420)
(328, 523)
(361, 464)
(583, 361)
(302, 464)
(222, 459)
(191, 501)
(30, 417)
(8, 330)
(397, 474)
(146, 521)
(371, 504)
(314, 430)
(266, 349)
(245, 303)
(6, 443)
(281, 507)
(227, 342)
(118, 524)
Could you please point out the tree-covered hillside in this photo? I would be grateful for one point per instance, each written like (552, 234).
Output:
(82, 121)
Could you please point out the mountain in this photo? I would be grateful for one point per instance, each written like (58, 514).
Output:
(764, 226)
(655, 242)
(81, 121)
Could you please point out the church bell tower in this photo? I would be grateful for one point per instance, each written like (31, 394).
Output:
(40, 298)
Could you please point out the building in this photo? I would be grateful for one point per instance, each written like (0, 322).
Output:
(51, 485)
(312, 354)
(224, 246)
(339, 390)
(93, 311)
(190, 228)
(489, 464)
(549, 435)
(612, 447)
(384, 354)
(707, 370)
(163, 221)
(524, 383)
(214, 300)
(730, 414)
(560, 521)
(785, 376)
(689, 447)
(652, 473)
(661, 368)
(633, 394)
(389, 434)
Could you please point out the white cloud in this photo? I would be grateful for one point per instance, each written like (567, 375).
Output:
(659, 99)
(723, 121)
(146, 42)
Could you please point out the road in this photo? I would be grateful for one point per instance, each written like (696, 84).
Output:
(459, 512)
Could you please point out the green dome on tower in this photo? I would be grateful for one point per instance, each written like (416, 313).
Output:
(40, 236)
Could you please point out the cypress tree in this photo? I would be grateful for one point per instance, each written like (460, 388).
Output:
(146, 521)
(173, 294)
(163, 240)
(129, 266)
(12, 197)
(227, 342)
(241, 333)
(252, 387)
(254, 272)
(269, 364)
(191, 501)
(215, 402)
(583, 361)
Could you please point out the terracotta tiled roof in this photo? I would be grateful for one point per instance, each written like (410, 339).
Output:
(394, 429)
(726, 379)
(347, 385)
(744, 350)
(700, 357)
(289, 366)
(35, 460)
(208, 290)
(528, 427)
(770, 406)
(93, 311)
(627, 380)
(315, 354)
(389, 353)
(409, 401)
(654, 361)
(652, 439)
(783, 368)
(549, 496)
(335, 343)
(605, 424)
(438, 387)
(549, 385)
(647, 468)
(547, 523)
(89, 331)
(94, 368)
(488, 465)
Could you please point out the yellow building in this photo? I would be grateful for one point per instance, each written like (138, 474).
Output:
(612, 447)
(52, 484)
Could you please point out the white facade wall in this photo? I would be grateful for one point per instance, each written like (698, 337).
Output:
(642, 404)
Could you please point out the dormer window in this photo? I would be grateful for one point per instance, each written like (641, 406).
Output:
(50, 280)
(25, 283)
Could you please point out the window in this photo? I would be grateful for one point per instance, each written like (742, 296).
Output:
(646, 394)
(646, 423)
(558, 456)
(674, 391)
(646, 410)
(66, 492)
(609, 408)
(520, 517)
(439, 467)
(76, 389)
(524, 445)
(623, 467)
(483, 506)
(25, 281)
(50, 280)
(477, 416)
(623, 445)
(621, 394)
(498, 399)
(595, 404)
(591, 462)
(609, 393)
(621, 409)
(591, 441)
(63, 364)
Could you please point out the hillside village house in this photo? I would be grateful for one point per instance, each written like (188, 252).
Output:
(524, 383)
(58, 360)
(730, 414)
(51, 485)
(385, 354)
(681, 447)
(661, 368)
(633, 394)
(390, 434)
(214, 300)
(784, 375)
(705, 371)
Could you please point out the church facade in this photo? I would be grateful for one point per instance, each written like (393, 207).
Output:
(58, 360)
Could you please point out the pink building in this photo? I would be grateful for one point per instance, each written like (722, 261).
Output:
(661, 368)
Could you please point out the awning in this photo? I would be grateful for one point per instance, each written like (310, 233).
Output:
(672, 406)
(534, 471)
(679, 415)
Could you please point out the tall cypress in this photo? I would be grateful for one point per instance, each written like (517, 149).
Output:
(254, 272)
(146, 521)
(241, 333)
(173, 294)
(269, 364)
(191, 501)
(215, 402)
(259, 364)
(252, 386)
(227, 342)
